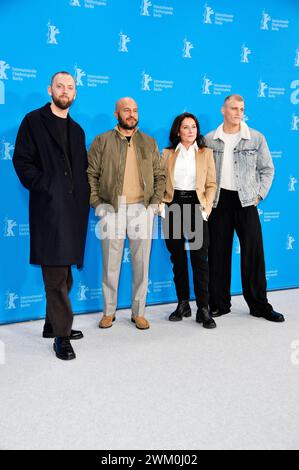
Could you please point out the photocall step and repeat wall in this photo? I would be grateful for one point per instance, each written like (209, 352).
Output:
(171, 56)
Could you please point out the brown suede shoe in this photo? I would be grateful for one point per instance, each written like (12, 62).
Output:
(140, 322)
(106, 321)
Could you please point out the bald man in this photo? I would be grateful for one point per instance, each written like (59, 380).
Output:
(127, 185)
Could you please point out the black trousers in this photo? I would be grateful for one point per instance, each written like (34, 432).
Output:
(229, 216)
(58, 282)
(175, 243)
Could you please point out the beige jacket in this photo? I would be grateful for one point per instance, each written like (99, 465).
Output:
(205, 176)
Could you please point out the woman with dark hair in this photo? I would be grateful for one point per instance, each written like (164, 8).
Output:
(189, 195)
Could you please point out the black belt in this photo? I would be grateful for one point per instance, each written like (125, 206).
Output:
(182, 194)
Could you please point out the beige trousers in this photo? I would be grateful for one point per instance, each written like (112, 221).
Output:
(135, 221)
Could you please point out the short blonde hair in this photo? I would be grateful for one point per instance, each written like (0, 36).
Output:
(235, 97)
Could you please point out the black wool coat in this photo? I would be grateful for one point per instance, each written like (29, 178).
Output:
(59, 191)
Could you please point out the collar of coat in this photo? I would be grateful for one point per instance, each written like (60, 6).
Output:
(244, 132)
(123, 136)
(172, 157)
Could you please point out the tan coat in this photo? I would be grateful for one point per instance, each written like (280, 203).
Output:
(205, 176)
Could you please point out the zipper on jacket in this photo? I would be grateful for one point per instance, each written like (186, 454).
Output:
(118, 190)
(139, 168)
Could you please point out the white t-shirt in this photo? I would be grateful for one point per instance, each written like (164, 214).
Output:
(227, 174)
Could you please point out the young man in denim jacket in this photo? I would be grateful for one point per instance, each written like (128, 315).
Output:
(245, 171)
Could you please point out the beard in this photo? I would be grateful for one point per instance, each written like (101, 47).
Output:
(62, 103)
(124, 125)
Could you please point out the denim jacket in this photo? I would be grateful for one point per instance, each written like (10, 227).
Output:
(253, 166)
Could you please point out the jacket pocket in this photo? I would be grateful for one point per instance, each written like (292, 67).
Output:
(249, 157)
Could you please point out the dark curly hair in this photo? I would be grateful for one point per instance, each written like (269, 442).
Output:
(174, 138)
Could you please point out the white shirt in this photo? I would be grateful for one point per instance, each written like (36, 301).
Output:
(185, 168)
(227, 173)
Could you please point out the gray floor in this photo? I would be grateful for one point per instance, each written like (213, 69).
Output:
(175, 386)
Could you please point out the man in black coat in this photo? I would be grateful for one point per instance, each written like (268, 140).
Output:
(50, 160)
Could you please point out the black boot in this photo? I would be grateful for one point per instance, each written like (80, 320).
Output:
(63, 348)
(183, 310)
(48, 332)
(203, 316)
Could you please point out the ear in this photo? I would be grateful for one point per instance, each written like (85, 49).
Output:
(222, 110)
(116, 114)
(49, 90)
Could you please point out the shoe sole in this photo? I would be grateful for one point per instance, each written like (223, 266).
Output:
(63, 358)
(106, 327)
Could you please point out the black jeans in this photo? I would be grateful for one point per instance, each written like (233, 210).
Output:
(229, 216)
(175, 243)
(58, 281)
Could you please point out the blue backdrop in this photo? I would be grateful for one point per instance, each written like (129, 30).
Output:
(171, 56)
